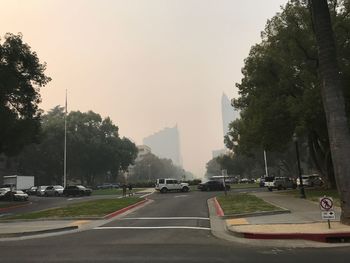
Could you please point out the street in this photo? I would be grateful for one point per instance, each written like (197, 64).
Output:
(173, 228)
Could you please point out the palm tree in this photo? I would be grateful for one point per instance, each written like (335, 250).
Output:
(333, 102)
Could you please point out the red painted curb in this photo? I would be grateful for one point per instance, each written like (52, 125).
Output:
(219, 211)
(120, 211)
(320, 237)
(13, 207)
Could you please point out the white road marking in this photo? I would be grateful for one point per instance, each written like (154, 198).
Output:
(143, 196)
(177, 196)
(70, 199)
(166, 218)
(150, 227)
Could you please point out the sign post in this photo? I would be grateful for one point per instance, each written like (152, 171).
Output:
(326, 206)
(224, 175)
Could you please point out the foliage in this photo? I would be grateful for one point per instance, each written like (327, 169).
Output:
(152, 167)
(21, 76)
(280, 91)
(95, 152)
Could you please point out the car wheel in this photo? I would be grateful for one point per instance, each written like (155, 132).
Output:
(279, 187)
(185, 189)
(56, 194)
(46, 195)
(270, 189)
(163, 190)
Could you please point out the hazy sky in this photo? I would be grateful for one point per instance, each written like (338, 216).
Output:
(148, 64)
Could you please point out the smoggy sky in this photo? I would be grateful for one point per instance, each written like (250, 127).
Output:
(148, 64)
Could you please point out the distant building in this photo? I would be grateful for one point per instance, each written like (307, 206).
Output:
(165, 144)
(229, 114)
(143, 150)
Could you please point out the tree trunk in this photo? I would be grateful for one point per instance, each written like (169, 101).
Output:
(333, 103)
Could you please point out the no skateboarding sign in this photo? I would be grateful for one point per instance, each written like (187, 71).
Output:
(326, 206)
(326, 203)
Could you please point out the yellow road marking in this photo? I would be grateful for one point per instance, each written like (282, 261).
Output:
(237, 221)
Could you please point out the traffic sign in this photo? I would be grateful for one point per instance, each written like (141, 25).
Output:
(326, 203)
(328, 215)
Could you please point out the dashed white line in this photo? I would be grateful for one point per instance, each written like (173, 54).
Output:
(150, 227)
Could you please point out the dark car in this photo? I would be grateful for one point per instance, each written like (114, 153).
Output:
(32, 190)
(107, 186)
(6, 195)
(76, 190)
(213, 186)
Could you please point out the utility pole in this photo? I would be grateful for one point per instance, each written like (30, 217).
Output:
(266, 171)
(65, 146)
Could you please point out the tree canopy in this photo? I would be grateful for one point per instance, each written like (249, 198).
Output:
(95, 151)
(280, 90)
(21, 76)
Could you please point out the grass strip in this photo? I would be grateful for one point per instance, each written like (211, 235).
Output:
(112, 191)
(244, 186)
(243, 203)
(314, 195)
(95, 208)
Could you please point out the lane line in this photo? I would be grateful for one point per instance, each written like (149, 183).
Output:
(150, 227)
(166, 218)
(147, 194)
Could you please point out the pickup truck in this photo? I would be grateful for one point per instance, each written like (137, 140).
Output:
(279, 183)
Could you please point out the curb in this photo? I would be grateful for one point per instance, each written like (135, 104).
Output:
(120, 211)
(38, 232)
(218, 209)
(262, 213)
(318, 237)
(4, 209)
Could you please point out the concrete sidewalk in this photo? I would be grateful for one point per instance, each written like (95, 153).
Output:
(303, 222)
(24, 228)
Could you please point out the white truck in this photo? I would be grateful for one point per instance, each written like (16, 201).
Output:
(18, 182)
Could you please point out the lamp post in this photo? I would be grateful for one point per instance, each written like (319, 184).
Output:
(301, 185)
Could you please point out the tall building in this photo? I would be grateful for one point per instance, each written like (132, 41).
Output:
(165, 144)
(229, 114)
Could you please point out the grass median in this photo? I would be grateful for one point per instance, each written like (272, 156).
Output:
(95, 208)
(114, 191)
(243, 203)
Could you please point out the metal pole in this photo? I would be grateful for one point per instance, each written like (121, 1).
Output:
(266, 171)
(65, 146)
(301, 185)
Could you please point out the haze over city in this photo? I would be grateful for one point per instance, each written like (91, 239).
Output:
(146, 64)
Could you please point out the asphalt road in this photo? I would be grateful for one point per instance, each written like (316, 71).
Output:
(173, 228)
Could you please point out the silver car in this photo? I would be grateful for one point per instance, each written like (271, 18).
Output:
(41, 190)
(54, 190)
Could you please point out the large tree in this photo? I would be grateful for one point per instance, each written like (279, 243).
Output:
(21, 76)
(333, 102)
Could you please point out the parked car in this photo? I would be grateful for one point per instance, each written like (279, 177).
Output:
(279, 183)
(41, 190)
(76, 190)
(213, 185)
(17, 195)
(54, 190)
(32, 190)
(311, 180)
(262, 182)
(170, 184)
(107, 186)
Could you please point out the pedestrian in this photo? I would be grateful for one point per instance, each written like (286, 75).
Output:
(124, 190)
(130, 190)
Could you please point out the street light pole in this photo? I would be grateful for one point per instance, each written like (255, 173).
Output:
(301, 185)
(65, 146)
(266, 170)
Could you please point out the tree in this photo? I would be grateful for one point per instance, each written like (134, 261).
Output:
(95, 151)
(280, 91)
(333, 102)
(21, 76)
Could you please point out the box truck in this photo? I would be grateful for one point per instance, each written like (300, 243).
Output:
(18, 182)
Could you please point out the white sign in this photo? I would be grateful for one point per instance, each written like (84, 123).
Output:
(326, 203)
(328, 215)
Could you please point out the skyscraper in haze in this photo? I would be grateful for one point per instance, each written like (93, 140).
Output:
(229, 114)
(165, 144)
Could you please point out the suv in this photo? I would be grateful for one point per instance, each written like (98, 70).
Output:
(170, 184)
(279, 183)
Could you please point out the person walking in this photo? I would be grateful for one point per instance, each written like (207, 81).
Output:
(124, 190)
(130, 190)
